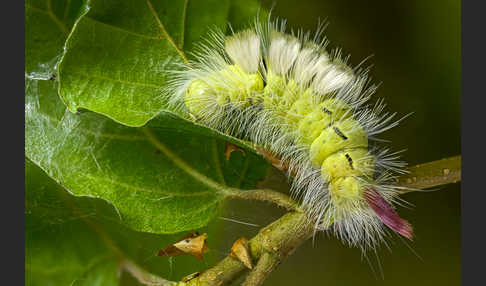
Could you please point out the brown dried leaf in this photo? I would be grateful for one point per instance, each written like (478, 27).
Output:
(230, 148)
(192, 244)
(240, 251)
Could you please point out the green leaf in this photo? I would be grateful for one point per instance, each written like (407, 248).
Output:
(116, 59)
(61, 248)
(90, 155)
(80, 241)
(47, 25)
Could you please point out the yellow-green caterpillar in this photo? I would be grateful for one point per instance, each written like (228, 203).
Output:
(287, 94)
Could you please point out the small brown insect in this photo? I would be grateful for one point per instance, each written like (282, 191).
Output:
(240, 251)
(192, 244)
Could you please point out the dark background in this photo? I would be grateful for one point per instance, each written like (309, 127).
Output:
(416, 48)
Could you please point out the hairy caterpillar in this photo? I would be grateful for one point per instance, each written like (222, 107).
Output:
(287, 94)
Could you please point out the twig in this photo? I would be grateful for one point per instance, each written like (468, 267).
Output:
(269, 195)
(143, 276)
(278, 239)
(265, 265)
(432, 174)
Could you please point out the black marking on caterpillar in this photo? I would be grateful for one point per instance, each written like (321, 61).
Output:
(339, 133)
(350, 161)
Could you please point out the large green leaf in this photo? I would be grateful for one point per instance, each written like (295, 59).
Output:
(79, 241)
(60, 247)
(47, 25)
(116, 59)
(93, 156)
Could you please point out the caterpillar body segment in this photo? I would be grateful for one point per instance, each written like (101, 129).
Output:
(290, 96)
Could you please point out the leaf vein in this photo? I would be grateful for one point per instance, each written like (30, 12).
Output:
(184, 15)
(137, 188)
(164, 32)
(184, 165)
(121, 29)
(134, 83)
(53, 17)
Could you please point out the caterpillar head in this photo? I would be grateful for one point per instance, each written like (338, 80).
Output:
(229, 85)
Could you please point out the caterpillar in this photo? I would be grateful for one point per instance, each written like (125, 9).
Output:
(288, 95)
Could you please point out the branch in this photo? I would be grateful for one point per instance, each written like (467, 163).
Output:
(275, 242)
(278, 240)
